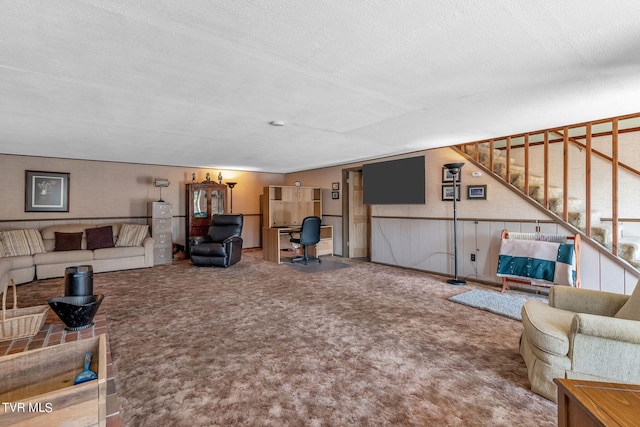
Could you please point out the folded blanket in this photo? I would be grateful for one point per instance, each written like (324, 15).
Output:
(549, 262)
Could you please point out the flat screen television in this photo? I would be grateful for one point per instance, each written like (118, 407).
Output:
(394, 182)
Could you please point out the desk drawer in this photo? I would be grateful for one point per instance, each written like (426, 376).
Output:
(324, 247)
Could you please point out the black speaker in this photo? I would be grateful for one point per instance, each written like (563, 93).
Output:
(78, 280)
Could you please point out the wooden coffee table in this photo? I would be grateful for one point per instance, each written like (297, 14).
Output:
(590, 403)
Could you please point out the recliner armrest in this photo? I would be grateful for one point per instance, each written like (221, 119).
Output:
(586, 300)
(195, 240)
(611, 328)
(231, 239)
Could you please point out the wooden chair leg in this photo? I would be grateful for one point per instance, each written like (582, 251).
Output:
(505, 284)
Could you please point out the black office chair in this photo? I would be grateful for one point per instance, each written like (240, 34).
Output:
(309, 235)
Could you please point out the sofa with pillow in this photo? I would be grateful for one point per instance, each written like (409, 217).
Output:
(26, 255)
(581, 334)
(16, 259)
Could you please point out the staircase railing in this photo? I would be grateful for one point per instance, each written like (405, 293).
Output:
(587, 194)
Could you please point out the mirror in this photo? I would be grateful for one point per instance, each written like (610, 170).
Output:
(217, 202)
(200, 203)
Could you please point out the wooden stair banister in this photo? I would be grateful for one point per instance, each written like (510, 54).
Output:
(602, 155)
(552, 192)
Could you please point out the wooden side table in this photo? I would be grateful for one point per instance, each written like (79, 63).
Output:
(590, 403)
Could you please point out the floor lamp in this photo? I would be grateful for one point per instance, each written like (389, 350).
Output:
(231, 185)
(454, 170)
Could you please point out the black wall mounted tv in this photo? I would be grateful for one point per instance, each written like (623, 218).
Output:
(394, 182)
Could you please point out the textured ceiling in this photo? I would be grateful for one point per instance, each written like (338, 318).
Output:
(195, 83)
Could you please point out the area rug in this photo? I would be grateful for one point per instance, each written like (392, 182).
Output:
(261, 344)
(508, 304)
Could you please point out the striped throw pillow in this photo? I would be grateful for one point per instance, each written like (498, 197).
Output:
(15, 243)
(34, 239)
(132, 234)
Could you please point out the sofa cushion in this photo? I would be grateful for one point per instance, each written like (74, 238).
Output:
(123, 252)
(132, 234)
(631, 309)
(5, 265)
(59, 257)
(49, 233)
(68, 241)
(100, 237)
(16, 262)
(15, 243)
(548, 328)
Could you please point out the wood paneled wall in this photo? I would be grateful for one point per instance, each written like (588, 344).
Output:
(427, 244)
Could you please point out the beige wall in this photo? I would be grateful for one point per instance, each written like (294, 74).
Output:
(421, 237)
(102, 191)
(500, 203)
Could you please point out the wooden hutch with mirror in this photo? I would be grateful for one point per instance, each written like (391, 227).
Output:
(204, 200)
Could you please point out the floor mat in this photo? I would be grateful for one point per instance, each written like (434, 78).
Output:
(315, 266)
(508, 304)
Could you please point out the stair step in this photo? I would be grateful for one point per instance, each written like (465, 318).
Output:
(628, 249)
(577, 219)
(517, 180)
(483, 154)
(556, 205)
(537, 192)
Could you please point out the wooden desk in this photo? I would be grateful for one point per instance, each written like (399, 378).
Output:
(590, 403)
(274, 239)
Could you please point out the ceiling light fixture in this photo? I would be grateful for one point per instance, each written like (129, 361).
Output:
(276, 123)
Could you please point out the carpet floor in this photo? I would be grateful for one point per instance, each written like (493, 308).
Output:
(262, 344)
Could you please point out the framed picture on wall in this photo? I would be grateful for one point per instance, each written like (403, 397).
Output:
(477, 192)
(335, 194)
(448, 177)
(335, 186)
(46, 191)
(447, 192)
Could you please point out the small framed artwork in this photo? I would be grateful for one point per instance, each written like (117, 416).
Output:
(477, 192)
(335, 186)
(447, 193)
(335, 194)
(448, 177)
(46, 191)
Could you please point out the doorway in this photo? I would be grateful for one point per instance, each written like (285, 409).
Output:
(356, 219)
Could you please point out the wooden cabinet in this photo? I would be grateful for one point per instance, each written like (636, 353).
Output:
(584, 403)
(285, 206)
(161, 226)
(204, 200)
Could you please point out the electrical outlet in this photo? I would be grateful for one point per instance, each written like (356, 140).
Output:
(473, 257)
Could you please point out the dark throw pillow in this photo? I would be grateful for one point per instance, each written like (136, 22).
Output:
(68, 241)
(99, 238)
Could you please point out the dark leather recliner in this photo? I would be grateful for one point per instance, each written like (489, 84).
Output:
(222, 246)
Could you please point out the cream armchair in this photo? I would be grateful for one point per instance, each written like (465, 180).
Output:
(581, 334)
